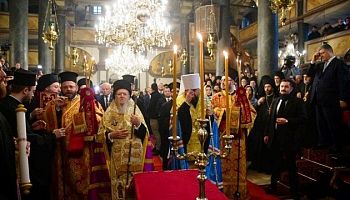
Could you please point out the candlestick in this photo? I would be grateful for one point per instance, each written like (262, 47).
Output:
(22, 146)
(174, 93)
(201, 73)
(227, 91)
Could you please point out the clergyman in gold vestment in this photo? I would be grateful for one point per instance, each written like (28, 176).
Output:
(73, 165)
(230, 171)
(123, 124)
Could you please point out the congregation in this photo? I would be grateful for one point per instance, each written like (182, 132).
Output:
(84, 145)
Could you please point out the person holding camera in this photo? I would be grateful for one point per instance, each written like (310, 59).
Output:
(330, 95)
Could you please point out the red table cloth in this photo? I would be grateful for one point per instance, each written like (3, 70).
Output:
(169, 185)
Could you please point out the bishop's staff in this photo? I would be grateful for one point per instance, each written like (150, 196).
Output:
(22, 146)
(130, 146)
(239, 131)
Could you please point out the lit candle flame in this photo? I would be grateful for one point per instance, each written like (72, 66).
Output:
(225, 54)
(175, 49)
(199, 36)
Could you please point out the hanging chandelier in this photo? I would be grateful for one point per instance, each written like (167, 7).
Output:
(282, 7)
(50, 26)
(289, 49)
(124, 61)
(139, 24)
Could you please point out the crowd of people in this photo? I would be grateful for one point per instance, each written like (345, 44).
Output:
(86, 145)
(341, 25)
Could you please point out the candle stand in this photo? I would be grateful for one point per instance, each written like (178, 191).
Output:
(201, 159)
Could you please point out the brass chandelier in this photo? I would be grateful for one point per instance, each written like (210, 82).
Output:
(50, 27)
(282, 7)
(124, 61)
(139, 24)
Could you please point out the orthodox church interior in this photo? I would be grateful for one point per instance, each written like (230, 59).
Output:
(107, 39)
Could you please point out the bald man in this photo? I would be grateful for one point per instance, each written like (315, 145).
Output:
(105, 98)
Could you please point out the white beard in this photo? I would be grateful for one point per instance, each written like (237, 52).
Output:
(123, 109)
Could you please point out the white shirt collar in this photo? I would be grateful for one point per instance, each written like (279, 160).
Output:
(330, 60)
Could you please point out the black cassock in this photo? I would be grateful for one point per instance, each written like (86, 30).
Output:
(42, 146)
(257, 151)
(8, 178)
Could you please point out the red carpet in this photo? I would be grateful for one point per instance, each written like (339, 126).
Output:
(170, 185)
(256, 192)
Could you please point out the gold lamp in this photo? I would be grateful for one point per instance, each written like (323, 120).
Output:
(283, 7)
(75, 56)
(51, 32)
(207, 23)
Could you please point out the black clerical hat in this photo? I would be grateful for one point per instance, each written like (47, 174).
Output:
(279, 74)
(68, 76)
(45, 81)
(121, 84)
(24, 77)
(170, 85)
(129, 78)
(83, 82)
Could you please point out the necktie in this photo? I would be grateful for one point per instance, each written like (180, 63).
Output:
(106, 101)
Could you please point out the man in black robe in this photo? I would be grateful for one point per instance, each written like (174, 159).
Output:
(281, 135)
(42, 143)
(8, 177)
(257, 150)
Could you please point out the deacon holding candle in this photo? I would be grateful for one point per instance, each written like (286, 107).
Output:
(173, 120)
(235, 116)
(22, 146)
(201, 73)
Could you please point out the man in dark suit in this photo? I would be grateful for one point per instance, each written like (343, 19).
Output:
(153, 114)
(106, 97)
(330, 94)
(286, 118)
(164, 123)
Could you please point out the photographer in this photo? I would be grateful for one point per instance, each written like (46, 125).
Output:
(289, 69)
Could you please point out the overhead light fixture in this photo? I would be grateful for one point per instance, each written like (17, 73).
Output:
(282, 7)
(139, 24)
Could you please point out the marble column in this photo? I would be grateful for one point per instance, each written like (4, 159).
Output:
(19, 32)
(60, 45)
(45, 57)
(303, 28)
(223, 36)
(267, 40)
(185, 45)
(103, 54)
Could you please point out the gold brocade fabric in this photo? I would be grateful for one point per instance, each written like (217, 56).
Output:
(231, 171)
(71, 176)
(112, 120)
(193, 143)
